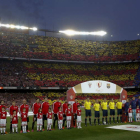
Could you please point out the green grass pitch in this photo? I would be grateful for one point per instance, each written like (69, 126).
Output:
(86, 133)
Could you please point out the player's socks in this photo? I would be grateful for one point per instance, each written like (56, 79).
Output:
(54, 123)
(37, 127)
(85, 121)
(77, 125)
(98, 121)
(27, 127)
(110, 120)
(50, 127)
(121, 118)
(63, 123)
(23, 128)
(106, 121)
(103, 120)
(114, 119)
(1, 130)
(13, 130)
(43, 124)
(4, 130)
(69, 124)
(90, 121)
(16, 129)
(33, 125)
(117, 119)
(94, 121)
(40, 127)
(11, 127)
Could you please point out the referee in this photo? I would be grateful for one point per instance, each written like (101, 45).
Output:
(105, 112)
(119, 110)
(97, 112)
(87, 106)
(112, 110)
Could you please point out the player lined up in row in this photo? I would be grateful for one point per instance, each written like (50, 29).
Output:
(132, 109)
(59, 112)
(62, 113)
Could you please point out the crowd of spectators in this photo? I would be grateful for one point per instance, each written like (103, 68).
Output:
(40, 47)
(8, 97)
(68, 75)
(14, 74)
(28, 74)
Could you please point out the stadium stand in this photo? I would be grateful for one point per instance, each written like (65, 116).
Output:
(27, 74)
(52, 48)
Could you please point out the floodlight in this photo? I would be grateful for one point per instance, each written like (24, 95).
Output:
(72, 32)
(17, 27)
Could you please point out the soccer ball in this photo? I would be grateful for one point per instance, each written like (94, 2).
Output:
(104, 123)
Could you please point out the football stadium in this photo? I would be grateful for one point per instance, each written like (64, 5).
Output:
(68, 84)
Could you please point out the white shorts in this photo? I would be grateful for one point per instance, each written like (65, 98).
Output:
(14, 125)
(130, 115)
(3, 122)
(24, 123)
(39, 122)
(68, 118)
(60, 121)
(78, 118)
(137, 115)
(49, 121)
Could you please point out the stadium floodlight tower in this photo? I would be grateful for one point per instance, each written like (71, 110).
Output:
(72, 33)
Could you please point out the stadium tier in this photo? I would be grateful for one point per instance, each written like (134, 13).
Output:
(52, 48)
(28, 74)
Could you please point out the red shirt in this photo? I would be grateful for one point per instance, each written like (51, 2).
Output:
(3, 115)
(24, 106)
(138, 110)
(75, 107)
(129, 110)
(49, 115)
(15, 120)
(1, 107)
(64, 107)
(40, 115)
(78, 112)
(45, 108)
(35, 107)
(24, 116)
(68, 112)
(60, 115)
(13, 108)
(56, 106)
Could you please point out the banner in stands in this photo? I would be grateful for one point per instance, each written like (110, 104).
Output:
(96, 87)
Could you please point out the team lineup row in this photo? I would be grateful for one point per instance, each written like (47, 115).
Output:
(65, 112)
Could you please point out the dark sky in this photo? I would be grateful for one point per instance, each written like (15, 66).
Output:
(120, 18)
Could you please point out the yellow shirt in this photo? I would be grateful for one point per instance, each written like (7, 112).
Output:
(112, 105)
(96, 106)
(119, 105)
(87, 105)
(104, 105)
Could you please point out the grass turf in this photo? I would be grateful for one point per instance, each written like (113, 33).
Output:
(86, 133)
